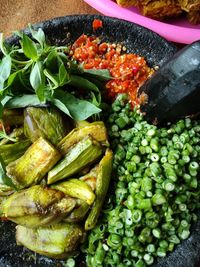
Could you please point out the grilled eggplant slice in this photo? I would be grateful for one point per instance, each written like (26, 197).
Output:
(76, 188)
(11, 152)
(103, 181)
(81, 155)
(13, 117)
(91, 177)
(37, 206)
(78, 214)
(96, 130)
(57, 241)
(17, 134)
(29, 169)
(44, 122)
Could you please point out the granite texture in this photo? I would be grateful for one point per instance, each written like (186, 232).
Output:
(156, 50)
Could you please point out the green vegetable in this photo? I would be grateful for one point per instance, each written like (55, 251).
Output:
(102, 184)
(56, 241)
(30, 168)
(12, 152)
(76, 188)
(155, 190)
(96, 130)
(79, 156)
(6, 183)
(37, 206)
(16, 135)
(45, 122)
(13, 117)
(35, 73)
(79, 212)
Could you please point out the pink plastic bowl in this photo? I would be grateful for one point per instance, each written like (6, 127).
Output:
(176, 30)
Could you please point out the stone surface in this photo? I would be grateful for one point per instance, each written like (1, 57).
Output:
(156, 50)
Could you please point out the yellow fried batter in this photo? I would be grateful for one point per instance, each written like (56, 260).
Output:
(190, 5)
(193, 17)
(161, 9)
(127, 3)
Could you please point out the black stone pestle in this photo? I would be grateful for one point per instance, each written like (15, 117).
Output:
(173, 91)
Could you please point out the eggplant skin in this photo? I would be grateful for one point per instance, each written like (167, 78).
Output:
(13, 117)
(29, 169)
(57, 241)
(45, 122)
(37, 206)
(11, 152)
(96, 130)
(102, 184)
(81, 155)
(79, 213)
(76, 188)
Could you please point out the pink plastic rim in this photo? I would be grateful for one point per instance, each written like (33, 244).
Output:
(178, 30)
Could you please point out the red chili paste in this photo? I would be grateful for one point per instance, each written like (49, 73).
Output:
(128, 70)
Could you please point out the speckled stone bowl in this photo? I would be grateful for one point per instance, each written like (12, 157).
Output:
(156, 50)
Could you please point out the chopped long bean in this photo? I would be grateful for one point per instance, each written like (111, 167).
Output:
(155, 191)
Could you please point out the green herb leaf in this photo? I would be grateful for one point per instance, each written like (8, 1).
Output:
(22, 101)
(29, 47)
(37, 80)
(61, 105)
(4, 179)
(51, 62)
(5, 69)
(3, 135)
(79, 109)
(80, 82)
(63, 75)
(12, 78)
(52, 79)
(100, 74)
(38, 36)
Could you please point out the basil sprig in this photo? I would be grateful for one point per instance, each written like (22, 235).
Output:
(36, 73)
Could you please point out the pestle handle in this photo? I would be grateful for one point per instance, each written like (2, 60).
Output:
(173, 91)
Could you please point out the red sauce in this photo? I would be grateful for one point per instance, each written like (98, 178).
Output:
(129, 71)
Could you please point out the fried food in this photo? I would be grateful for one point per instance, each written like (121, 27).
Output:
(161, 9)
(194, 17)
(127, 3)
(190, 5)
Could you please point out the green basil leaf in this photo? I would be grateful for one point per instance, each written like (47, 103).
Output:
(51, 62)
(80, 82)
(4, 179)
(52, 78)
(63, 75)
(22, 101)
(61, 105)
(96, 99)
(100, 74)
(12, 77)
(5, 69)
(79, 109)
(37, 80)
(38, 36)
(29, 47)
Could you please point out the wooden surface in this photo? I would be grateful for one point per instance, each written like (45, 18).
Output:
(16, 14)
